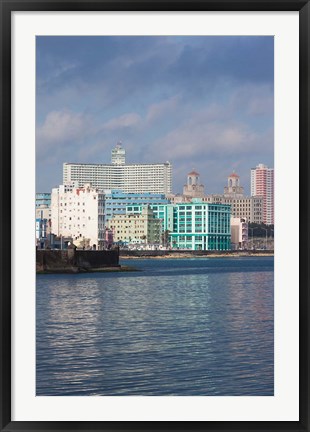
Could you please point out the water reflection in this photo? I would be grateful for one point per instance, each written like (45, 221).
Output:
(186, 328)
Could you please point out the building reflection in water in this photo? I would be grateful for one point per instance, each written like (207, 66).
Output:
(197, 329)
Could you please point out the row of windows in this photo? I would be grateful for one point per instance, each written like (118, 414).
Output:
(130, 232)
(69, 227)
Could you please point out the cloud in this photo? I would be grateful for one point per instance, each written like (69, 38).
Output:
(196, 101)
(124, 121)
(253, 100)
(55, 72)
(158, 110)
(61, 134)
(62, 126)
(202, 136)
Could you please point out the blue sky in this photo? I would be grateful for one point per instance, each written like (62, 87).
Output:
(199, 102)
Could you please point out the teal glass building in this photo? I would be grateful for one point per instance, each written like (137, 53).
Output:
(201, 226)
(43, 199)
(196, 225)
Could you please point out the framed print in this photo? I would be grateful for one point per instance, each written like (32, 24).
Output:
(148, 151)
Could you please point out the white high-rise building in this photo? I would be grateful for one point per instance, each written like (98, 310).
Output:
(262, 184)
(130, 178)
(78, 212)
(118, 155)
(239, 233)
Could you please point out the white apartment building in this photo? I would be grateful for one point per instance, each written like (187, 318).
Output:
(118, 155)
(262, 184)
(136, 228)
(130, 178)
(43, 223)
(78, 212)
(43, 212)
(239, 233)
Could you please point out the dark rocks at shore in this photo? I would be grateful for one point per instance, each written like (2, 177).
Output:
(75, 261)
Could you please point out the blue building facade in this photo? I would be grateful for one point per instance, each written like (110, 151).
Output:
(42, 226)
(43, 199)
(116, 202)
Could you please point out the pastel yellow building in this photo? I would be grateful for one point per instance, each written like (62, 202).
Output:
(142, 228)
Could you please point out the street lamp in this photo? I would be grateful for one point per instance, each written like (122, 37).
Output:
(273, 236)
(252, 229)
(266, 235)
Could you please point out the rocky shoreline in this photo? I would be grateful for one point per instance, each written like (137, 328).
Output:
(76, 270)
(76, 262)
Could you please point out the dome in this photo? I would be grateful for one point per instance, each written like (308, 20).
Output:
(193, 173)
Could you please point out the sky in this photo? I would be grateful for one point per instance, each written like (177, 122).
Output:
(199, 102)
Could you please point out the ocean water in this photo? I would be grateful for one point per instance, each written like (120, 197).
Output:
(201, 326)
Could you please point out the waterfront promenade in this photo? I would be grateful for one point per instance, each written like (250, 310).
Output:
(128, 254)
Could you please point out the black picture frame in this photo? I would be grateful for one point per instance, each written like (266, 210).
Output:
(6, 8)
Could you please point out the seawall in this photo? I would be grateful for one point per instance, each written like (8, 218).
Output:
(191, 253)
(75, 261)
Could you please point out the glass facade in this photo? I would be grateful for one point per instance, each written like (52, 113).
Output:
(201, 226)
(118, 202)
(43, 199)
(194, 226)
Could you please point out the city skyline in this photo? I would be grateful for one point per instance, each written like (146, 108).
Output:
(203, 103)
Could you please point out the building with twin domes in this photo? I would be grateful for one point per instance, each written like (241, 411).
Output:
(244, 207)
(233, 188)
(193, 188)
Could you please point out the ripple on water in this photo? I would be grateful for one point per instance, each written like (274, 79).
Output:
(179, 327)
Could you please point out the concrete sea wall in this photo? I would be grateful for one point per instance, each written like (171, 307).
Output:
(190, 253)
(75, 261)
